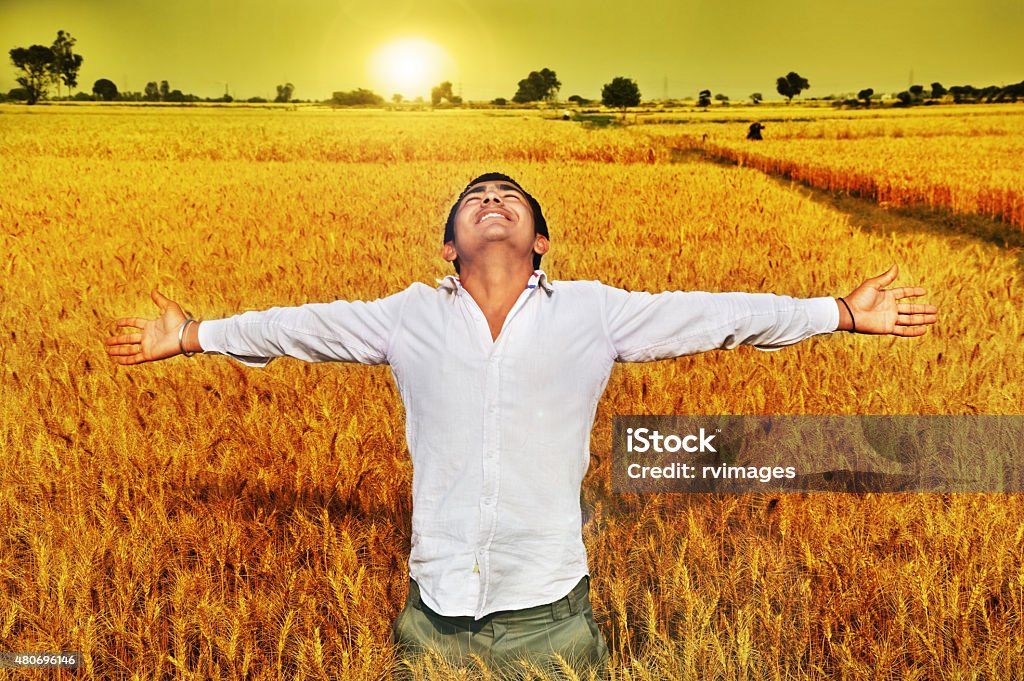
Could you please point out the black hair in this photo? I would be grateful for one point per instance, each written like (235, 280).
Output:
(540, 225)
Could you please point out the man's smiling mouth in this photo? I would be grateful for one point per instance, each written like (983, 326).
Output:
(493, 214)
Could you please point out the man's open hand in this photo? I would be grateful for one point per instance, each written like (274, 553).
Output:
(877, 309)
(159, 337)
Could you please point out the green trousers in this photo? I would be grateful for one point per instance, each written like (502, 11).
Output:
(536, 635)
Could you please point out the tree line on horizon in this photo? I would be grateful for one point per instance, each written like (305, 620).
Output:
(622, 93)
(43, 66)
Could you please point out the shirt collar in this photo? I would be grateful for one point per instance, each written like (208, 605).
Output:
(538, 278)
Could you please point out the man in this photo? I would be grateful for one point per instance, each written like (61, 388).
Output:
(500, 372)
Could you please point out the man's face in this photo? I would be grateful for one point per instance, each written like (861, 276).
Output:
(494, 217)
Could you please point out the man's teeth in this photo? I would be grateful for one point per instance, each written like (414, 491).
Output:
(493, 215)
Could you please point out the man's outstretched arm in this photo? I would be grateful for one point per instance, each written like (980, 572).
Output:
(340, 331)
(644, 327)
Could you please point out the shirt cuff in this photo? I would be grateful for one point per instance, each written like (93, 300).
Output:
(212, 337)
(822, 314)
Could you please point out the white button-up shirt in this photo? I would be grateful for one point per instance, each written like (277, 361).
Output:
(499, 430)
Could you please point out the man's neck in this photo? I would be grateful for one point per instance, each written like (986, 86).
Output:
(496, 289)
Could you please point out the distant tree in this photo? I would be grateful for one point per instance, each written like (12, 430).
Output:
(104, 89)
(621, 93)
(905, 98)
(579, 101)
(66, 63)
(938, 91)
(396, 98)
(438, 92)
(866, 95)
(1015, 91)
(917, 91)
(499, 101)
(724, 99)
(176, 96)
(18, 94)
(791, 85)
(961, 93)
(165, 90)
(992, 93)
(152, 92)
(257, 100)
(756, 97)
(357, 97)
(284, 93)
(538, 86)
(36, 62)
(704, 98)
(442, 92)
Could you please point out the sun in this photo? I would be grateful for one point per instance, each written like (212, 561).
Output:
(409, 67)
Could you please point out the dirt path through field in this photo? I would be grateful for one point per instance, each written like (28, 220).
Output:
(869, 215)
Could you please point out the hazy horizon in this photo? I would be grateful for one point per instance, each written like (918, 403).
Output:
(670, 49)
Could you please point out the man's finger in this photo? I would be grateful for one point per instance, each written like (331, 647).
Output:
(915, 319)
(125, 339)
(909, 331)
(160, 299)
(907, 292)
(124, 350)
(885, 278)
(134, 359)
(134, 322)
(916, 308)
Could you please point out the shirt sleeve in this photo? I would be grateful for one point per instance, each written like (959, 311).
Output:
(643, 326)
(341, 331)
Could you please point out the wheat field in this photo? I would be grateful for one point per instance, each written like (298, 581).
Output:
(196, 519)
(963, 160)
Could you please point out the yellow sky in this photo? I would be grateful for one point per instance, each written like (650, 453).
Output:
(674, 48)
